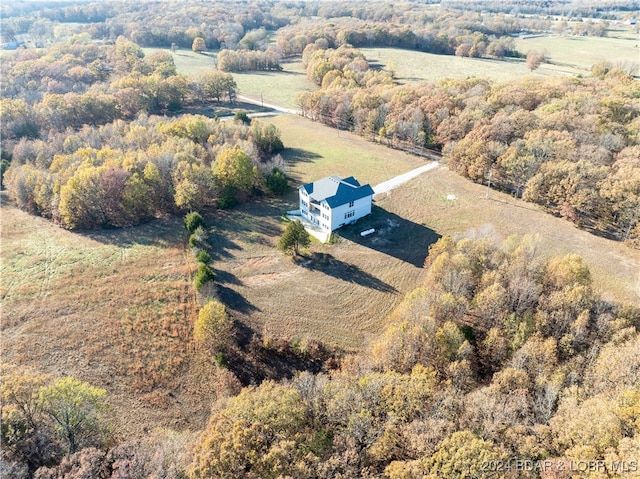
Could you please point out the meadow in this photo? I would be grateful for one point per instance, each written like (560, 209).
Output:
(575, 54)
(114, 308)
(410, 66)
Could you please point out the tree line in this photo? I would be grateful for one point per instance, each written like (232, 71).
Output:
(570, 145)
(500, 355)
(431, 28)
(79, 83)
(122, 173)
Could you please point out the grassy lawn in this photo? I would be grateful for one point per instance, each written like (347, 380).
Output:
(314, 151)
(338, 293)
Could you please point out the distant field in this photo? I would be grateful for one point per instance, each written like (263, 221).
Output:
(280, 88)
(569, 53)
(413, 66)
(188, 62)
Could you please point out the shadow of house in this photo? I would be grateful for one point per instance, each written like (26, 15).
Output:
(329, 265)
(394, 235)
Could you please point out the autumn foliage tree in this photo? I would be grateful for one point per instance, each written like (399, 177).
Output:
(213, 327)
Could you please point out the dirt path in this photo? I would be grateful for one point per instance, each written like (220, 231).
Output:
(403, 178)
(276, 108)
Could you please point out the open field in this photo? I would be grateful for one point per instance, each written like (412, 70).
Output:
(451, 205)
(573, 53)
(339, 294)
(315, 150)
(114, 308)
(188, 62)
(279, 88)
(413, 66)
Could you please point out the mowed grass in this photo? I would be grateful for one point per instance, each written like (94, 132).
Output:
(577, 54)
(277, 88)
(339, 293)
(451, 205)
(113, 308)
(314, 151)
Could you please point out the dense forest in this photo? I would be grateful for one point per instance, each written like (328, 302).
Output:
(569, 144)
(501, 362)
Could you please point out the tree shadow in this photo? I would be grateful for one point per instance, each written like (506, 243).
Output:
(298, 155)
(329, 265)
(235, 301)
(162, 232)
(220, 246)
(394, 235)
(225, 277)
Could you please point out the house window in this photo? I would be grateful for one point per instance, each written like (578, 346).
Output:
(351, 204)
(349, 214)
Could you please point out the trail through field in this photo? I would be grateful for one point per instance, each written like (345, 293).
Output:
(403, 178)
(277, 108)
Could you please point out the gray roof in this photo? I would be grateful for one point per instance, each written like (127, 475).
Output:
(337, 191)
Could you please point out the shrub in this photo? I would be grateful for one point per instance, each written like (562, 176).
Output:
(193, 220)
(203, 276)
(221, 360)
(198, 238)
(203, 257)
(242, 116)
(277, 182)
(227, 198)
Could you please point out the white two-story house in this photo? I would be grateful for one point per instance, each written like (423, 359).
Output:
(333, 201)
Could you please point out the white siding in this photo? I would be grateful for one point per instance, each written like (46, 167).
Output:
(360, 208)
(332, 219)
